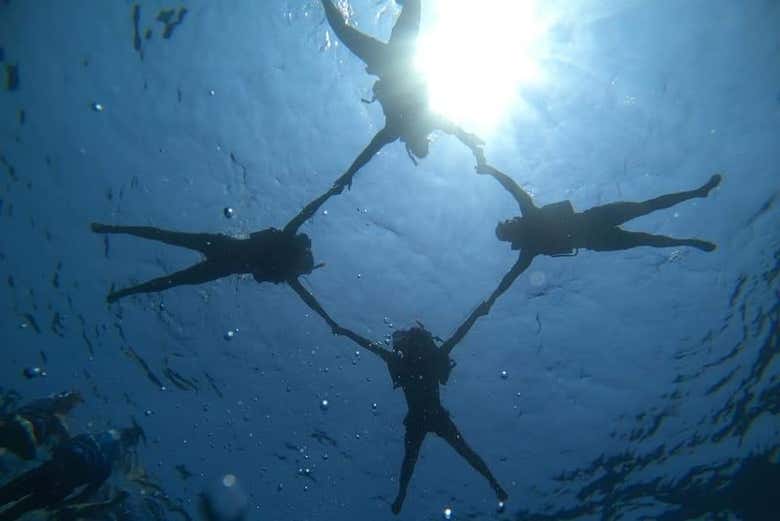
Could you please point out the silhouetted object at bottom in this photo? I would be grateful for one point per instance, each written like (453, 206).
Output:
(224, 500)
(418, 366)
(83, 461)
(557, 230)
(40, 423)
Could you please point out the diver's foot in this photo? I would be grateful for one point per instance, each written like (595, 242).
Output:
(112, 297)
(712, 183)
(99, 228)
(703, 245)
(396, 506)
(501, 494)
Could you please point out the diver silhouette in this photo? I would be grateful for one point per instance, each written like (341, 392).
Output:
(269, 255)
(84, 461)
(40, 423)
(400, 90)
(557, 230)
(418, 366)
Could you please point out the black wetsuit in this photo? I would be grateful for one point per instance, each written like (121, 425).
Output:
(419, 373)
(269, 255)
(400, 90)
(419, 367)
(556, 229)
(83, 461)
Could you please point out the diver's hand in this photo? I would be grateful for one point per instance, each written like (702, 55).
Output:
(479, 155)
(338, 330)
(483, 168)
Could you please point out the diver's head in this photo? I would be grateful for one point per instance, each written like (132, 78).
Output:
(418, 146)
(509, 230)
(412, 341)
(66, 401)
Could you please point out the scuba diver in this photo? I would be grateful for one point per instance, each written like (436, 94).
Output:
(557, 230)
(270, 255)
(81, 464)
(400, 89)
(418, 366)
(40, 423)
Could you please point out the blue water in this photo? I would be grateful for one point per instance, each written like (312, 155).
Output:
(638, 383)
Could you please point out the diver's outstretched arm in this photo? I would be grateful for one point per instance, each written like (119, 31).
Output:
(308, 211)
(371, 51)
(365, 343)
(382, 138)
(484, 308)
(472, 141)
(310, 301)
(524, 200)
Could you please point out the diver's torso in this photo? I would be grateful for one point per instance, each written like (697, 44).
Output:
(554, 229)
(268, 255)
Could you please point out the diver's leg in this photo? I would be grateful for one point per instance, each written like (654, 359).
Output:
(198, 274)
(449, 432)
(615, 214)
(371, 51)
(203, 242)
(382, 138)
(415, 434)
(407, 27)
(615, 239)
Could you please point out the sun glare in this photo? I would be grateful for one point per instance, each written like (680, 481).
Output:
(475, 56)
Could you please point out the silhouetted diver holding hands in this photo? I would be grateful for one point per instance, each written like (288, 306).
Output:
(419, 367)
(400, 90)
(557, 230)
(269, 255)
